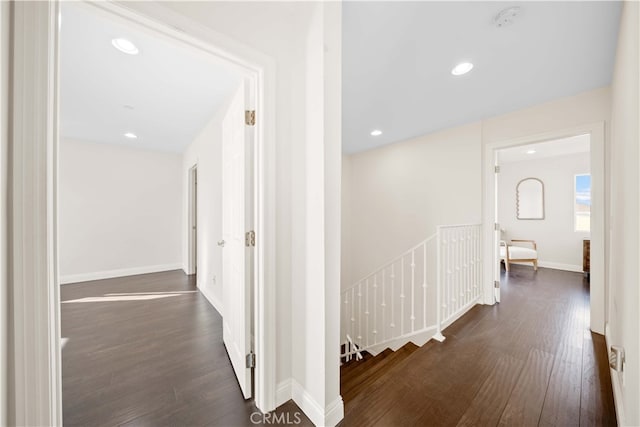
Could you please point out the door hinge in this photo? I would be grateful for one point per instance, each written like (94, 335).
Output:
(496, 284)
(496, 226)
(251, 360)
(250, 238)
(496, 169)
(250, 117)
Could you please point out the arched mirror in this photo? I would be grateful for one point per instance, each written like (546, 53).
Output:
(530, 199)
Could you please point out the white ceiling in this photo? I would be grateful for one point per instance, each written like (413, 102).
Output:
(174, 91)
(554, 148)
(397, 61)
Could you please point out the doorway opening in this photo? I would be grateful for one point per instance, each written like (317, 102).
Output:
(192, 228)
(545, 204)
(152, 163)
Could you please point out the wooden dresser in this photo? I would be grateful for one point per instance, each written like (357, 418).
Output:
(586, 257)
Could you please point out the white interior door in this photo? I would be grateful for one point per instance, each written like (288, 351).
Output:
(193, 220)
(236, 283)
(496, 233)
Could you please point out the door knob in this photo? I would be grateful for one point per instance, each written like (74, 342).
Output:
(221, 243)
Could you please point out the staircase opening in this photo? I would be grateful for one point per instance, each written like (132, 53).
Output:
(408, 301)
(357, 375)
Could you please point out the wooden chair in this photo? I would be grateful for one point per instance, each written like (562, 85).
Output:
(515, 253)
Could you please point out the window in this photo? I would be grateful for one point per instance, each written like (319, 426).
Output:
(582, 202)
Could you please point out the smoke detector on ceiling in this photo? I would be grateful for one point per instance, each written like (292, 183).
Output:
(506, 16)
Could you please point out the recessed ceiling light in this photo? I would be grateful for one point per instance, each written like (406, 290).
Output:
(531, 151)
(126, 46)
(462, 68)
(131, 135)
(376, 132)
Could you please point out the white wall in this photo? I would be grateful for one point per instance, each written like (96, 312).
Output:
(400, 193)
(315, 301)
(331, 47)
(206, 152)
(624, 273)
(119, 211)
(4, 175)
(559, 246)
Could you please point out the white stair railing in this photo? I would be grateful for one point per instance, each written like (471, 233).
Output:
(420, 292)
(352, 350)
(460, 270)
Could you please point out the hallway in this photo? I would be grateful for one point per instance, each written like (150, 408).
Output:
(147, 351)
(530, 360)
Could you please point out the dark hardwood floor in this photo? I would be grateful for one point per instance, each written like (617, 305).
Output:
(147, 351)
(530, 360)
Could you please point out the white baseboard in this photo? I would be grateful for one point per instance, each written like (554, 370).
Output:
(560, 266)
(553, 266)
(329, 416)
(110, 274)
(616, 383)
(213, 300)
(334, 412)
(283, 392)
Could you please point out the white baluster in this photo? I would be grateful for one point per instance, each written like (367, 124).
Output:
(375, 308)
(393, 288)
(353, 318)
(359, 343)
(470, 266)
(465, 265)
(472, 250)
(463, 276)
(413, 287)
(366, 313)
(438, 335)
(445, 276)
(424, 286)
(343, 316)
(478, 263)
(384, 304)
(462, 269)
(449, 256)
(457, 269)
(452, 269)
(472, 272)
(402, 296)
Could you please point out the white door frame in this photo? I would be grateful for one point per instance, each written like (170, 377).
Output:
(597, 276)
(192, 221)
(34, 338)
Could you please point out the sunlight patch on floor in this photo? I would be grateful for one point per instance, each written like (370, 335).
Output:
(122, 297)
(150, 293)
